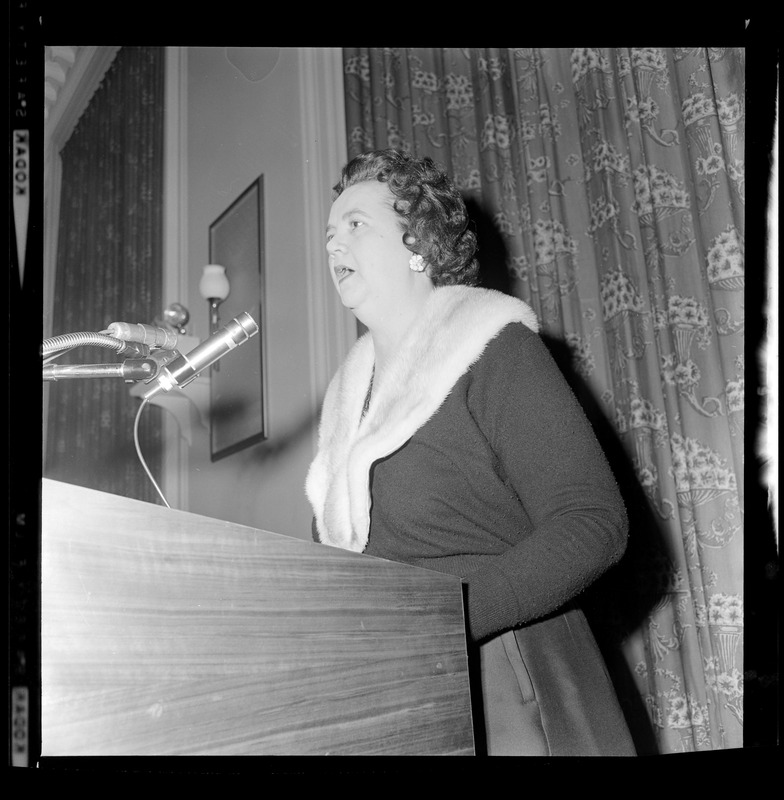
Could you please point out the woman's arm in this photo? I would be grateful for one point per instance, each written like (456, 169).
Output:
(555, 465)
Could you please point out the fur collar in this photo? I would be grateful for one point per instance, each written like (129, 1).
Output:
(456, 325)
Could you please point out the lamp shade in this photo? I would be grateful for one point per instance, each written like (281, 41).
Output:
(214, 285)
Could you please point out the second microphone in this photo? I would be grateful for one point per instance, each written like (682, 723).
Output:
(185, 368)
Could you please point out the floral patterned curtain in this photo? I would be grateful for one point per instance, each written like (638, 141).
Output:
(607, 187)
(109, 270)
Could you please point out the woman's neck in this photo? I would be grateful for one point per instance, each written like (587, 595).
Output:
(388, 333)
(384, 348)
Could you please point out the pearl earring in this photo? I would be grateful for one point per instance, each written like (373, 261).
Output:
(416, 263)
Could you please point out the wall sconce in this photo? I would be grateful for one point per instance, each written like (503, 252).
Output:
(214, 288)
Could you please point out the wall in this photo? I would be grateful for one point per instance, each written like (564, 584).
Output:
(238, 127)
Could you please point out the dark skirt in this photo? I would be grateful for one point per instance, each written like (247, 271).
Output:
(546, 692)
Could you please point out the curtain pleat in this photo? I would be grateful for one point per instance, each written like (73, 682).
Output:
(108, 270)
(607, 189)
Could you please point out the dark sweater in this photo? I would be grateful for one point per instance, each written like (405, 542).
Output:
(506, 487)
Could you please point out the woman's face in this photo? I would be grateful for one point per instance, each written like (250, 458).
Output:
(367, 258)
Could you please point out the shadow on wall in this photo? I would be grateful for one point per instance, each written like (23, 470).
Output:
(621, 600)
(491, 252)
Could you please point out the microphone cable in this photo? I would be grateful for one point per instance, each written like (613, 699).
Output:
(139, 451)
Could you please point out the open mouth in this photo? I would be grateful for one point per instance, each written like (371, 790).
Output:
(342, 271)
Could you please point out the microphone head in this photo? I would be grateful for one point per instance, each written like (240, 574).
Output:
(243, 326)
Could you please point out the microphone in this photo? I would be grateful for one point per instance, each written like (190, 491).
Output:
(185, 368)
(144, 334)
(131, 370)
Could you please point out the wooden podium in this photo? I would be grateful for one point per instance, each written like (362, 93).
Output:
(169, 633)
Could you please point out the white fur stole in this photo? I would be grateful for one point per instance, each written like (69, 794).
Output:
(456, 325)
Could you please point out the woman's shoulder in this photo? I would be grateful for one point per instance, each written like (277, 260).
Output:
(516, 360)
(514, 341)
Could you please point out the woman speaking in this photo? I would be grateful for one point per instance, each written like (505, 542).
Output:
(449, 440)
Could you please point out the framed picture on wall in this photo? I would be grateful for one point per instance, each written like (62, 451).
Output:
(238, 409)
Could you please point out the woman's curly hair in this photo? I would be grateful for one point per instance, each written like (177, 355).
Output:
(433, 215)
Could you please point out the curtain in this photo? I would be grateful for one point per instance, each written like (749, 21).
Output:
(108, 270)
(607, 190)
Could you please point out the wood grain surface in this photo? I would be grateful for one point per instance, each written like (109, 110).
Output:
(169, 633)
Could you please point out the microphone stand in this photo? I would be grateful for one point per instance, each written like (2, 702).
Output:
(144, 364)
(144, 367)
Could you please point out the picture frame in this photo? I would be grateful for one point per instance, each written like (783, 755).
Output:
(238, 407)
